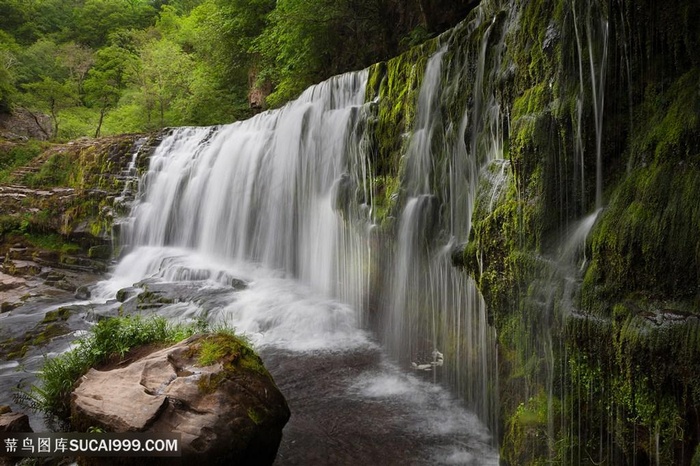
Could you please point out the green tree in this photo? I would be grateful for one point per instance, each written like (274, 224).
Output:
(50, 96)
(95, 20)
(16, 20)
(218, 36)
(8, 62)
(310, 40)
(164, 78)
(106, 80)
(77, 59)
(39, 61)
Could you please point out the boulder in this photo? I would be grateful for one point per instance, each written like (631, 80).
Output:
(14, 422)
(82, 292)
(227, 409)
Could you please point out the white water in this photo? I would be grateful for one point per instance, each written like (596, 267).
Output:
(596, 42)
(268, 200)
(266, 190)
(281, 202)
(433, 306)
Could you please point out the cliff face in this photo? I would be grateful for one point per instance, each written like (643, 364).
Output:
(584, 231)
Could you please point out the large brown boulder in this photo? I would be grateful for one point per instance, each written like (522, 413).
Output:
(211, 389)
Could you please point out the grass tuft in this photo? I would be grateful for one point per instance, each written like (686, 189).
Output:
(109, 337)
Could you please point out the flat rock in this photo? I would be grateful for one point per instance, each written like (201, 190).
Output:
(223, 414)
(8, 282)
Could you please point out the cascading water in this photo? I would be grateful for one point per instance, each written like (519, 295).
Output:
(596, 45)
(437, 319)
(281, 202)
(278, 190)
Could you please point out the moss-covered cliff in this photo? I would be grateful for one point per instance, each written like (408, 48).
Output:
(58, 204)
(587, 248)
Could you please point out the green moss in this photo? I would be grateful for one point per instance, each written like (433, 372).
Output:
(377, 73)
(634, 376)
(668, 121)
(209, 383)
(400, 80)
(56, 171)
(646, 240)
(52, 242)
(42, 333)
(232, 352)
(100, 252)
(533, 100)
(384, 199)
(256, 416)
(150, 297)
(528, 432)
(18, 155)
(253, 363)
(60, 314)
(224, 348)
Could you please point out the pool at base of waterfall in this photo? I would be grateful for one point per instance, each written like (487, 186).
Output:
(349, 403)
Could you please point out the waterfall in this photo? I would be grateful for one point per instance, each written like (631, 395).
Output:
(283, 189)
(596, 45)
(290, 191)
(437, 320)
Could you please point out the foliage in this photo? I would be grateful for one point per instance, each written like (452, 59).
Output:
(52, 242)
(8, 61)
(55, 171)
(144, 64)
(231, 351)
(307, 41)
(50, 96)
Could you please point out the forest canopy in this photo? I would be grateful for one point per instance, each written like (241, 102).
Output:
(113, 66)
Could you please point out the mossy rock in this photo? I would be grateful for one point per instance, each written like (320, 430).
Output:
(42, 333)
(647, 239)
(100, 252)
(60, 314)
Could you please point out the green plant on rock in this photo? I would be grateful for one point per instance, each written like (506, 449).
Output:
(109, 338)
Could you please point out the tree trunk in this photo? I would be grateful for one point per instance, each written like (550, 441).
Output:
(38, 124)
(54, 115)
(103, 110)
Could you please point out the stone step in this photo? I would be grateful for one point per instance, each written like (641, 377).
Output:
(8, 282)
(21, 268)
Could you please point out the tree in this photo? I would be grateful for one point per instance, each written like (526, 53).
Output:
(164, 78)
(49, 95)
(40, 60)
(77, 59)
(95, 20)
(16, 20)
(8, 61)
(307, 41)
(107, 79)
